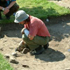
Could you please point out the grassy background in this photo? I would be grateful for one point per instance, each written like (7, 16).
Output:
(42, 8)
(39, 8)
(4, 65)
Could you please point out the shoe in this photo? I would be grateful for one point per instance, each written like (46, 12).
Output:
(26, 50)
(20, 47)
(7, 17)
(37, 51)
(46, 46)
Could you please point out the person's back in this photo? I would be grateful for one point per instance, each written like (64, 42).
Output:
(37, 27)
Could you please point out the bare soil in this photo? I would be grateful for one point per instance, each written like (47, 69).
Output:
(56, 57)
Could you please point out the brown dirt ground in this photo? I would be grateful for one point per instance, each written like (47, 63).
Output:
(56, 57)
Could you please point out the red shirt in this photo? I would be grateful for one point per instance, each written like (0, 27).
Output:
(37, 27)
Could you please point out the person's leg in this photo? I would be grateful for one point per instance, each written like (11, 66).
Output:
(12, 10)
(46, 46)
(36, 42)
(20, 47)
(29, 42)
(41, 40)
(35, 45)
(37, 51)
(0, 15)
(3, 5)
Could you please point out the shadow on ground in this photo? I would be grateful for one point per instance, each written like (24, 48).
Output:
(11, 30)
(50, 55)
(60, 31)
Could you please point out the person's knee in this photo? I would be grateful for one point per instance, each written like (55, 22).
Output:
(15, 7)
(24, 37)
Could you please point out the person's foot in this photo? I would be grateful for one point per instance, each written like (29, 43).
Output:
(37, 51)
(20, 47)
(46, 46)
(26, 50)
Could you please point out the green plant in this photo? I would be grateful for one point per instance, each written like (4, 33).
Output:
(4, 65)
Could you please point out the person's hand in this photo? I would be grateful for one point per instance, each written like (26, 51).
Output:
(20, 47)
(6, 11)
(22, 31)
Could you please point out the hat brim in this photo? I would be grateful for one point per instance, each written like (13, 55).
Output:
(18, 21)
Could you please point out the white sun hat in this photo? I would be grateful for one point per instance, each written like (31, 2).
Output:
(20, 16)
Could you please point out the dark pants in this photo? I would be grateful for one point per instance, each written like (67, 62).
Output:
(13, 9)
(36, 42)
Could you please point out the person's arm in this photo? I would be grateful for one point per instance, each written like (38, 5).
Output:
(30, 37)
(11, 4)
(8, 7)
(26, 32)
(2, 8)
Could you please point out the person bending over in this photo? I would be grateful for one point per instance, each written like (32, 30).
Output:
(35, 35)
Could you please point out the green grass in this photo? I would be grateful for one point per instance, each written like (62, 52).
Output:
(4, 65)
(39, 8)
(42, 8)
